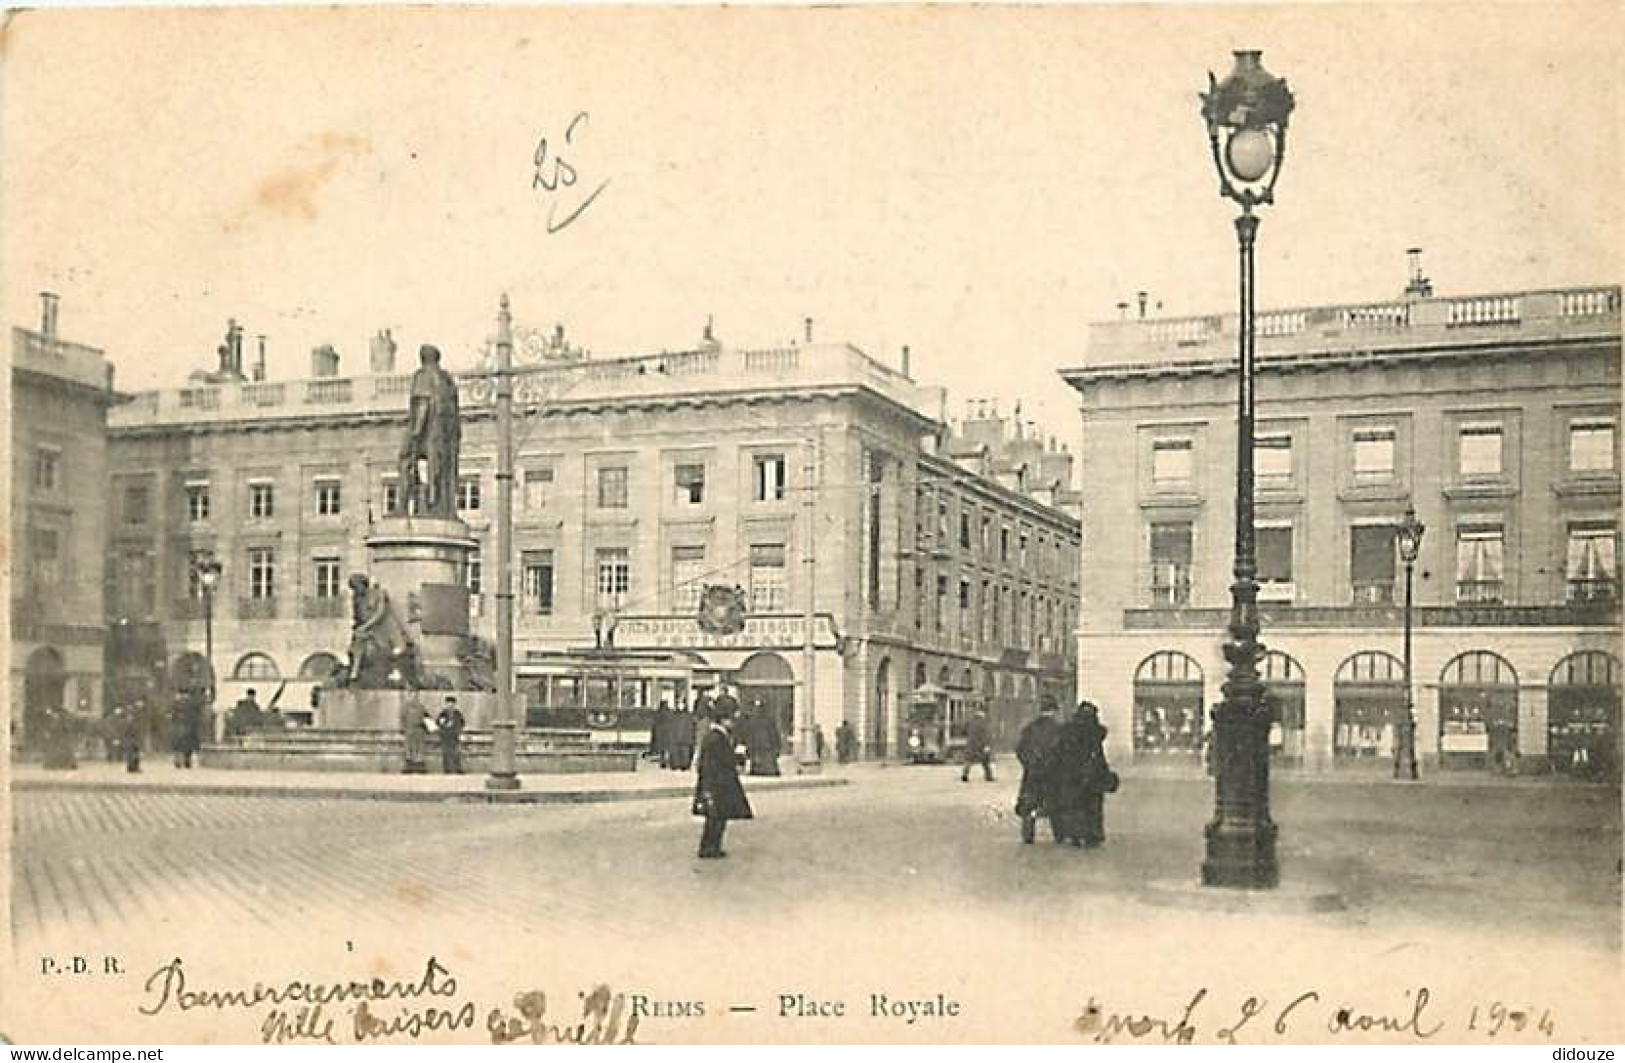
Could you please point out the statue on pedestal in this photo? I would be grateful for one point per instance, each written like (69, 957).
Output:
(434, 432)
(382, 655)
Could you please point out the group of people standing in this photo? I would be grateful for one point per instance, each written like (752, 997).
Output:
(448, 726)
(757, 740)
(1065, 775)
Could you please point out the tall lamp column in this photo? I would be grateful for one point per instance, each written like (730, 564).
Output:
(1246, 116)
(1409, 538)
(206, 568)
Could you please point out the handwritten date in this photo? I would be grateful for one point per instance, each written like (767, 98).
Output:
(1310, 1014)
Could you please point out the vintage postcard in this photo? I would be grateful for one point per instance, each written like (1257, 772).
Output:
(1071, 524)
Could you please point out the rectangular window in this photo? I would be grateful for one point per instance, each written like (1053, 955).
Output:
(964, 530)
(1275, 563)
(919, 599)
(538, 486)
(468, 494)
(1371, 563)
(942, 602)
(1023, 550)
(1480, 550)
(1374, 454)
(1591, 446)
(45, 558)
(1592, 558)
(689, 484)
(329, 498)
(261, 501)
(328, 581)
(47, 469)
(1171, 558)
(261, 573)
(987, 611)
(137, 504)
(197, 502)
(1172, 461)
(1004, 543)
(536, 570)
(1480, 451)
(474, 575)
(987, 536)
(942, 521)
(1272, 459)
(687, 577)
(767, 477)
(767, 591)
(614, 571)
(612, 487)
(137, 582)
(392, 493)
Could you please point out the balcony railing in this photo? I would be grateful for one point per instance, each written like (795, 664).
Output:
(1357, 330)
(1604, 589)
(1374, 592)
(256, 608)
(1478, 591)
(324, 607)
(1602, 612)
(1170, 595)
(1485, 310)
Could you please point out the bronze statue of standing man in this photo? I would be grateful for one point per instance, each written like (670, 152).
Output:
(434, 433)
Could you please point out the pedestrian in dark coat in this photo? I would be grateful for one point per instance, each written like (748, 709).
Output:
(978, 747)
(846, 742)
(718, 794)
(130, 738)
(682, 732)
(415, 729)
(1081, 779)
(449, 725)
(763, 743)
(186, 719)
(1035, 749)
(660, 736)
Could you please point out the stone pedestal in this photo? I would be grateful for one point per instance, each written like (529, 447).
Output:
(421, 562)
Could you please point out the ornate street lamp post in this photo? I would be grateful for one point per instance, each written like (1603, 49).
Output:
(206, 567)
(1409, 536)
(1246, 116)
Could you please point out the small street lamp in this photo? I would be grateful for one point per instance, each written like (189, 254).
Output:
(206, 569)
(1246, 116)
(1409, 536)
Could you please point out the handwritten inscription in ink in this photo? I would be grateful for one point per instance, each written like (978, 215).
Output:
(557, 176)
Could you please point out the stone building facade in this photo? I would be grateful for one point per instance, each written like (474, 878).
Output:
(793, 473)
(60, 394)
(1496, 417)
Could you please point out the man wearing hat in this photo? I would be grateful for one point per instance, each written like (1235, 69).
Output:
(449, 724)
(1035, 749)
(718, 795)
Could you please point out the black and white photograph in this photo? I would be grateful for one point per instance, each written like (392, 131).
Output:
(1078, 524)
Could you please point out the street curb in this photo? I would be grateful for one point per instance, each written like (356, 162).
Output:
(473, 797)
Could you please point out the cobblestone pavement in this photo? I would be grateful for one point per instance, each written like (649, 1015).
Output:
(911, 866)
(1551, 852)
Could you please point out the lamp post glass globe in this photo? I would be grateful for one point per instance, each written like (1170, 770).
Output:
(1410, 536)
(1250, 153)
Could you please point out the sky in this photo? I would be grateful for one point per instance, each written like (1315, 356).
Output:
(977, 183)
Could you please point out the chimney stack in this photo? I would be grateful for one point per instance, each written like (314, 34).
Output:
(809, 329)
(906, 365)
(383, 353)
(259, 363)
(1122, 310)
(1142, 296)
(324, 361)
(49, 301)
(1418, 287)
